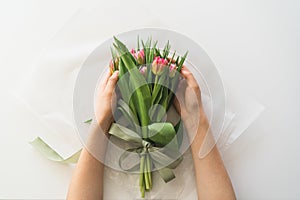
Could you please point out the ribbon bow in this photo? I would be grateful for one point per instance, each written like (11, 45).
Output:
(162, 147)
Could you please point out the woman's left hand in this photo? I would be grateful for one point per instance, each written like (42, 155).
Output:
(106, 101)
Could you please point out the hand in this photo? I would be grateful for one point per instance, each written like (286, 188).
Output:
(188, 103)
(106, 101)
(212, 179)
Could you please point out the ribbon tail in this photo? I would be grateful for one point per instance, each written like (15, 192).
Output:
(51, 154)
(166, 174)
(176, 163)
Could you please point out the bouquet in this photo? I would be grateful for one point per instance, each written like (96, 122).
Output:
(148, 78)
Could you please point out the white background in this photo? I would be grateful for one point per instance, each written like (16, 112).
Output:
(256, 46)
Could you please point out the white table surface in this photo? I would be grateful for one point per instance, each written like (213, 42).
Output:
(256, 46)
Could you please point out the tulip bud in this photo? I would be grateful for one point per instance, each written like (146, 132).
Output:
(140, 57)
(172, 70)
(163, 61)
(158, 65)
(155, 66)
(143, 71)
(113, 65)
(132, 51)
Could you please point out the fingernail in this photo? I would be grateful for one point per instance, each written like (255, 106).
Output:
(116, 73)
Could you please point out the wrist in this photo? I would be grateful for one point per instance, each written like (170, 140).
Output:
(197, 133)
(97, 141)
(104, 124)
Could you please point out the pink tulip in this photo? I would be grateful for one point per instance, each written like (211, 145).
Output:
(163, 61)
(158, 65)
(143, 71)
(140, 57)
(132, 51)
(173, 69)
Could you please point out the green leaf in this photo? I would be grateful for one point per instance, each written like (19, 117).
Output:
(182, 61)
(121, 117)
(161, 112)
(128, 62)
(179, 132)
(172, 58)
(155, 44)
(157, 51)
(158, 83)
(123, 50)
(124, 115)
(177, 60)
(138, 42)
(173, 86)
(148, 42)
(88, 121)
(156, 90)
(151, 55)
(130, 113)
(113, 53)
(122, 69)
(123, 84)
(166, 49)
(149, 76)
(152, 52)
(120, 45)
(156, 110)
(146, 51)
(143, 44)
(141, 94)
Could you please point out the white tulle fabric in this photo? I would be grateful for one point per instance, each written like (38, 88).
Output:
(48, 91)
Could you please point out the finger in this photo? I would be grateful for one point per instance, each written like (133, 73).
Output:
(181, 88)
(112, 81)
(107, 77)
(104, 82)
(190, 79)
(182, 84)
(179, 97)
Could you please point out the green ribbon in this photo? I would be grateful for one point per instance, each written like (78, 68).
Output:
(164, 154)
(51, 154)
(161, 145)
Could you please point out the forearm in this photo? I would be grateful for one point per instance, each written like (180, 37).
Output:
(87, 180)
(212, 179)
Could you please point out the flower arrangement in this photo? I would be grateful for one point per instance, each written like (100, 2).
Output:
(148, 78)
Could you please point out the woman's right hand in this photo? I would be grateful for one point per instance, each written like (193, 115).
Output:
(188, 103)
(212, 179)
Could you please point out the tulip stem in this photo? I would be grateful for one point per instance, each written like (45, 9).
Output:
(147, 184)
(142, 188)
(149, 173)
(156, 80)
(142, 181)
(145, 172)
